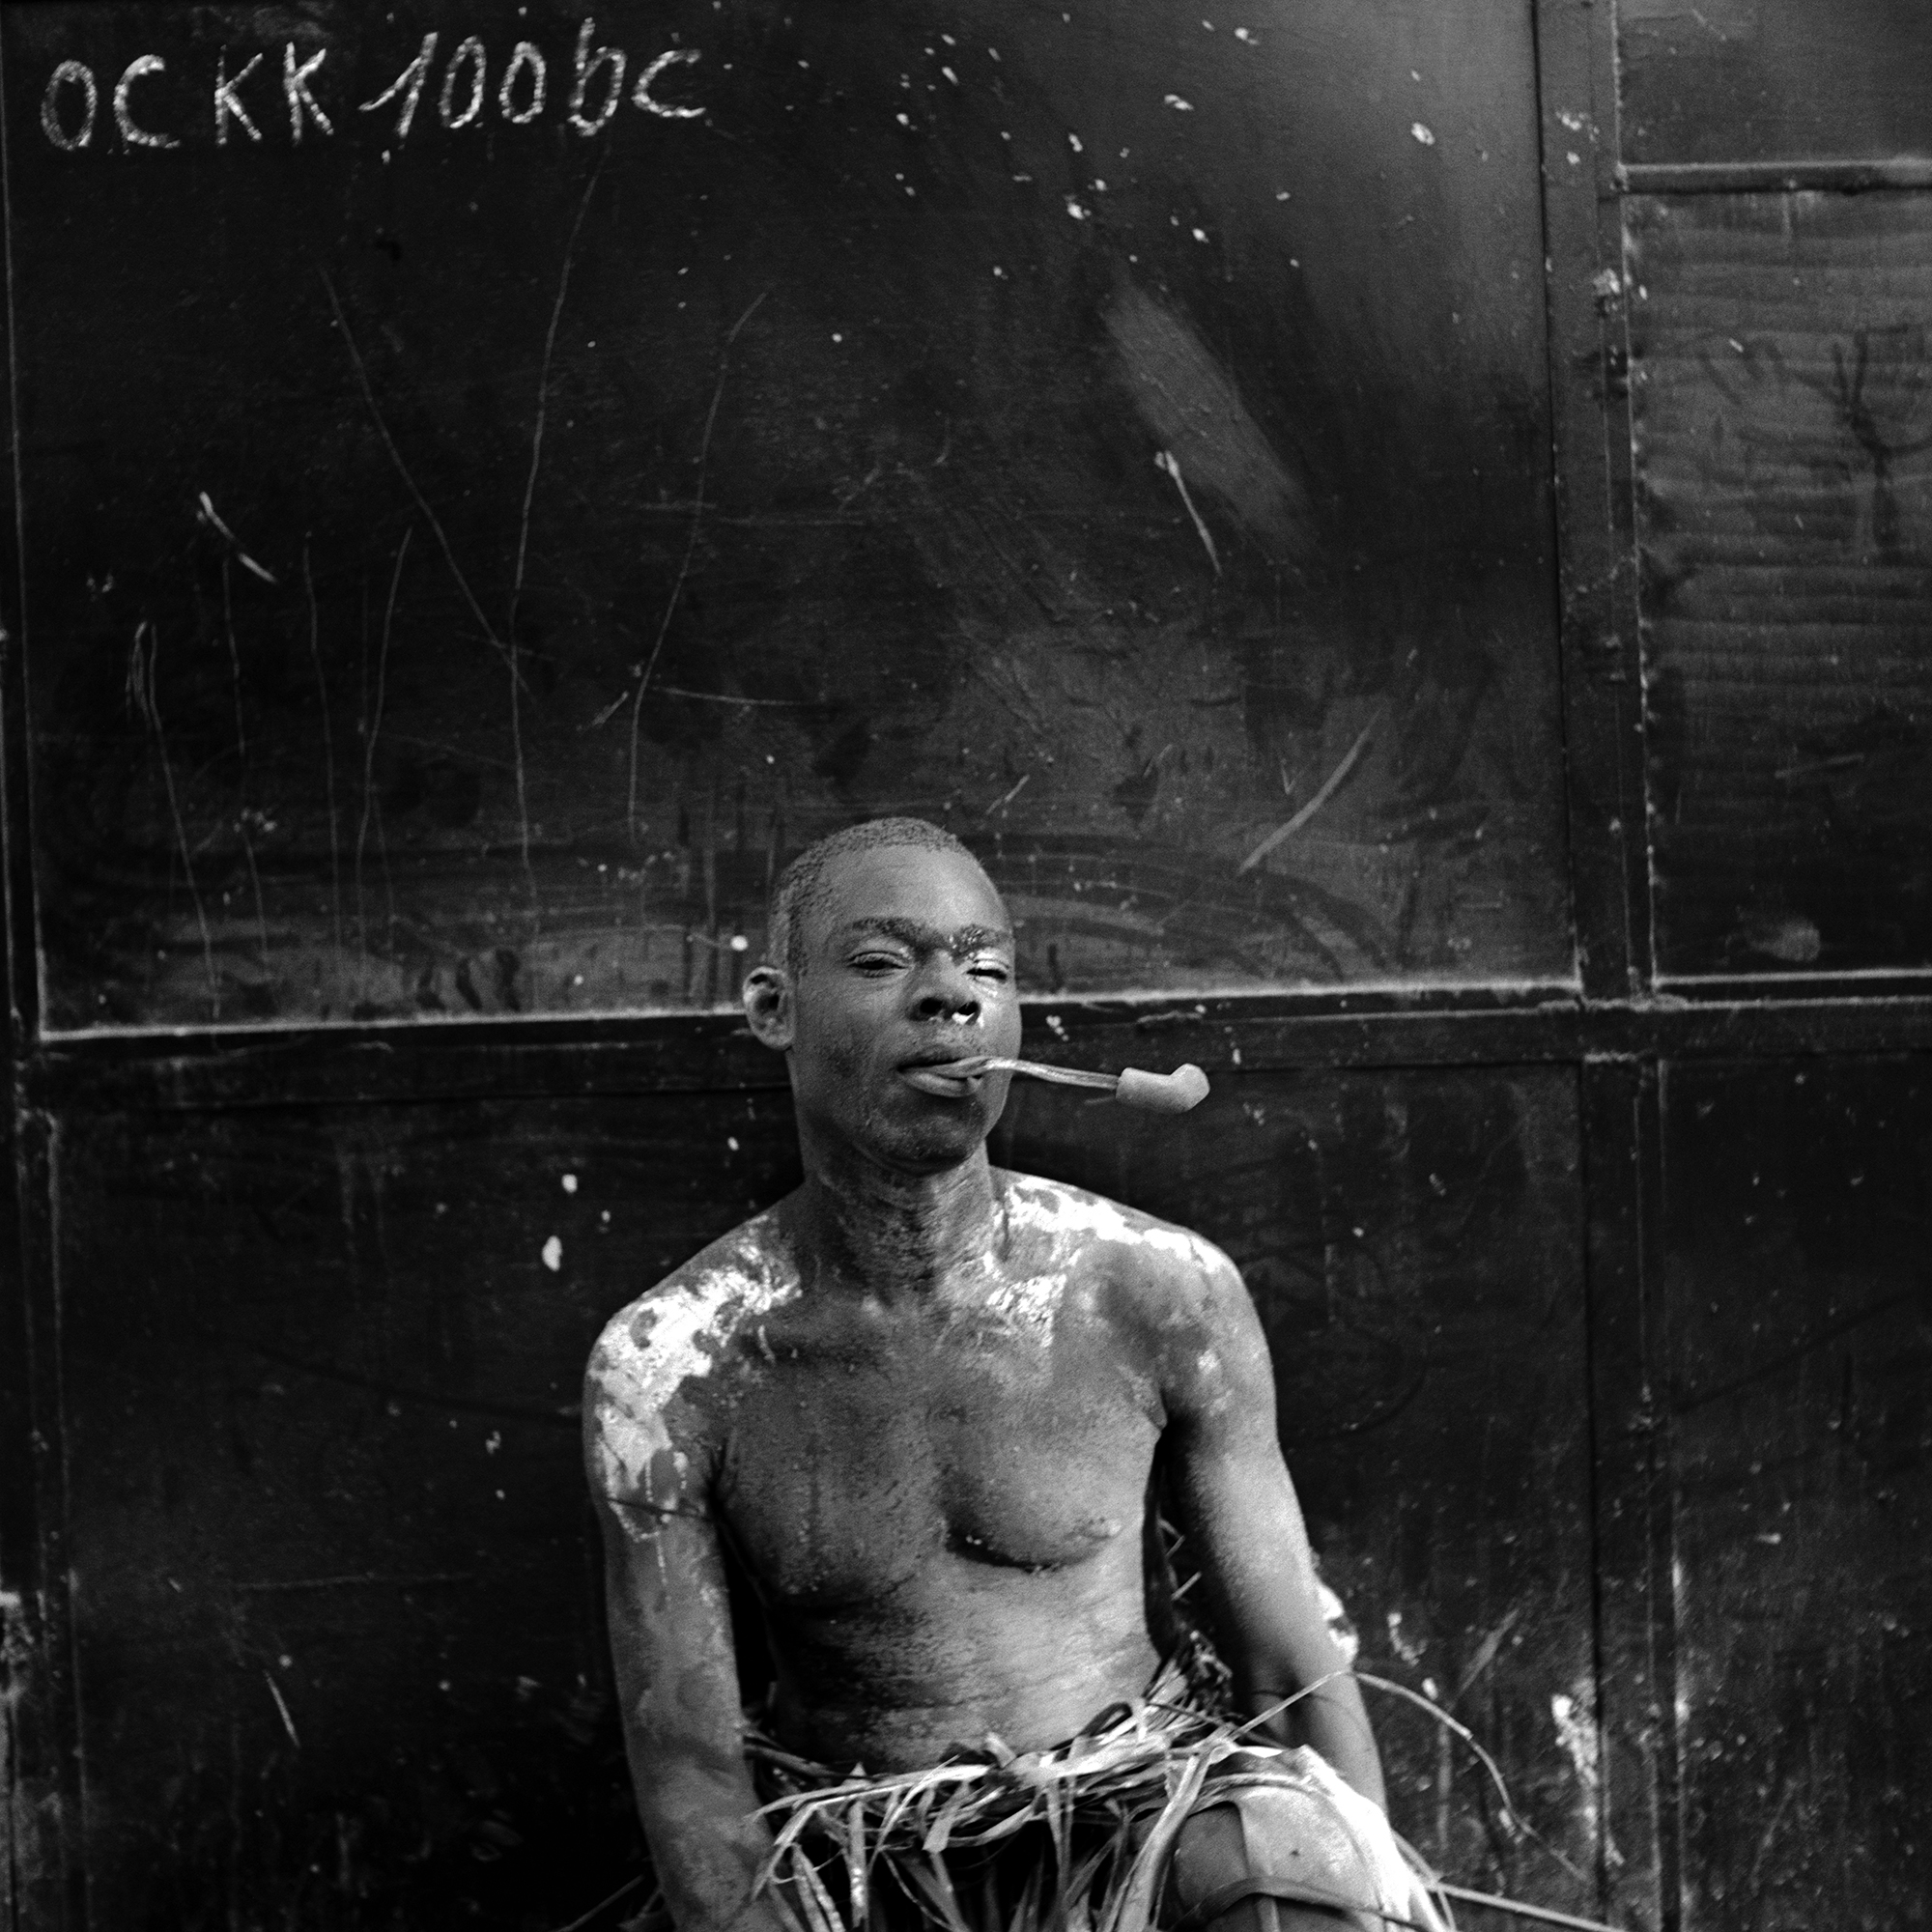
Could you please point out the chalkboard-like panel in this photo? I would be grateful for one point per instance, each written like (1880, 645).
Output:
(480, 518)
(1774, 80)
(1800, 1354)
(318, 1376)
(1782, 394)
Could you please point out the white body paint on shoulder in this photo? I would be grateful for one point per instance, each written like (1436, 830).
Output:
(656, 1346)
(1060, 1212)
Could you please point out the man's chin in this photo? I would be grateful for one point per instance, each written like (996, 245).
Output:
(932, 1135)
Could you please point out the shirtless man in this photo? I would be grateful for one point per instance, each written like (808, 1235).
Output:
(920, 1399)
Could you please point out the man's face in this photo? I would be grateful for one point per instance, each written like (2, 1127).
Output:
(907, 963)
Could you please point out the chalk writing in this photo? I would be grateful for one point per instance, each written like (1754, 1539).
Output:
(123, 106)
(465, 95)
(469, 56)
(302, 104)
(408, 84)
(589, 68)
(69, 73)
(643, 96)
(525, 58)
(228, 102)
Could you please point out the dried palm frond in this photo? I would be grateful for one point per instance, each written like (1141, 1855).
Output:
(1101, 1814)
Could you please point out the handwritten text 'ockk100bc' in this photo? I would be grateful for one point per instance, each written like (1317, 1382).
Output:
(470, 95)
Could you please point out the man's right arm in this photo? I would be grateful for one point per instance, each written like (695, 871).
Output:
(677, 1685)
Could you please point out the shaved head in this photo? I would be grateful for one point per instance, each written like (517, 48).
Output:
(801, 886)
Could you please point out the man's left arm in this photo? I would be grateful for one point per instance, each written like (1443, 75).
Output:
(1244, 1529)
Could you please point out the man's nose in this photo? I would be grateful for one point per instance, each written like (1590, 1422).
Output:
(945, 991)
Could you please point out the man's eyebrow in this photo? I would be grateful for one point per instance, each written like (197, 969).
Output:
(929, 939)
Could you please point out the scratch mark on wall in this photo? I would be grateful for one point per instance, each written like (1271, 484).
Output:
(145, 698)
(212, 516)
(328, 746)
(1165, 461)
(403, 470)
(1007, 797)
(1486, 1654)
(369, 745)
(530, 500)
(288, 1723)
(690, 551)
(1315, 804)
(242, 749)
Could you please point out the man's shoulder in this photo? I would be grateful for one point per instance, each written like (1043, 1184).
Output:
(685, 1324)
(1138, 1246)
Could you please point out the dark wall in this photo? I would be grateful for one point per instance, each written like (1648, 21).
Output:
(337, 1603)
(452, 568)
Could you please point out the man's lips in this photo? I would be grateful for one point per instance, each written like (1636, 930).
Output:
(950, 1078)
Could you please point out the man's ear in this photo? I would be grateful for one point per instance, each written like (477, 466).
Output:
(768, 1006)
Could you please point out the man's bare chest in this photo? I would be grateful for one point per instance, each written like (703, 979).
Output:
(852, 1470)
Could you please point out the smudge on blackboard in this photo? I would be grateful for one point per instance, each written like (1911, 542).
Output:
(1197, 415)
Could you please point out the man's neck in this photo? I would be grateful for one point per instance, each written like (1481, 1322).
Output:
(890, 1232)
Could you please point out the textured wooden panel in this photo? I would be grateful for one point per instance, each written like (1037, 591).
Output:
(1783, 403)
(318, 1379)
(1798, 1220)
(1755, 80)
(1117, 435)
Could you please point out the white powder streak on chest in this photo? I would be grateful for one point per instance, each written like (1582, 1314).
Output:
(653, 1348)
(1027, 1307)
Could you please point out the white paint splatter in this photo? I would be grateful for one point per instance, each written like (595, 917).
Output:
(1043, 1207)
(653, 1348)
(1576, 1734)
(1402, 1648)
(552, 1254)
(1028, 1307)
(1336, 1617)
